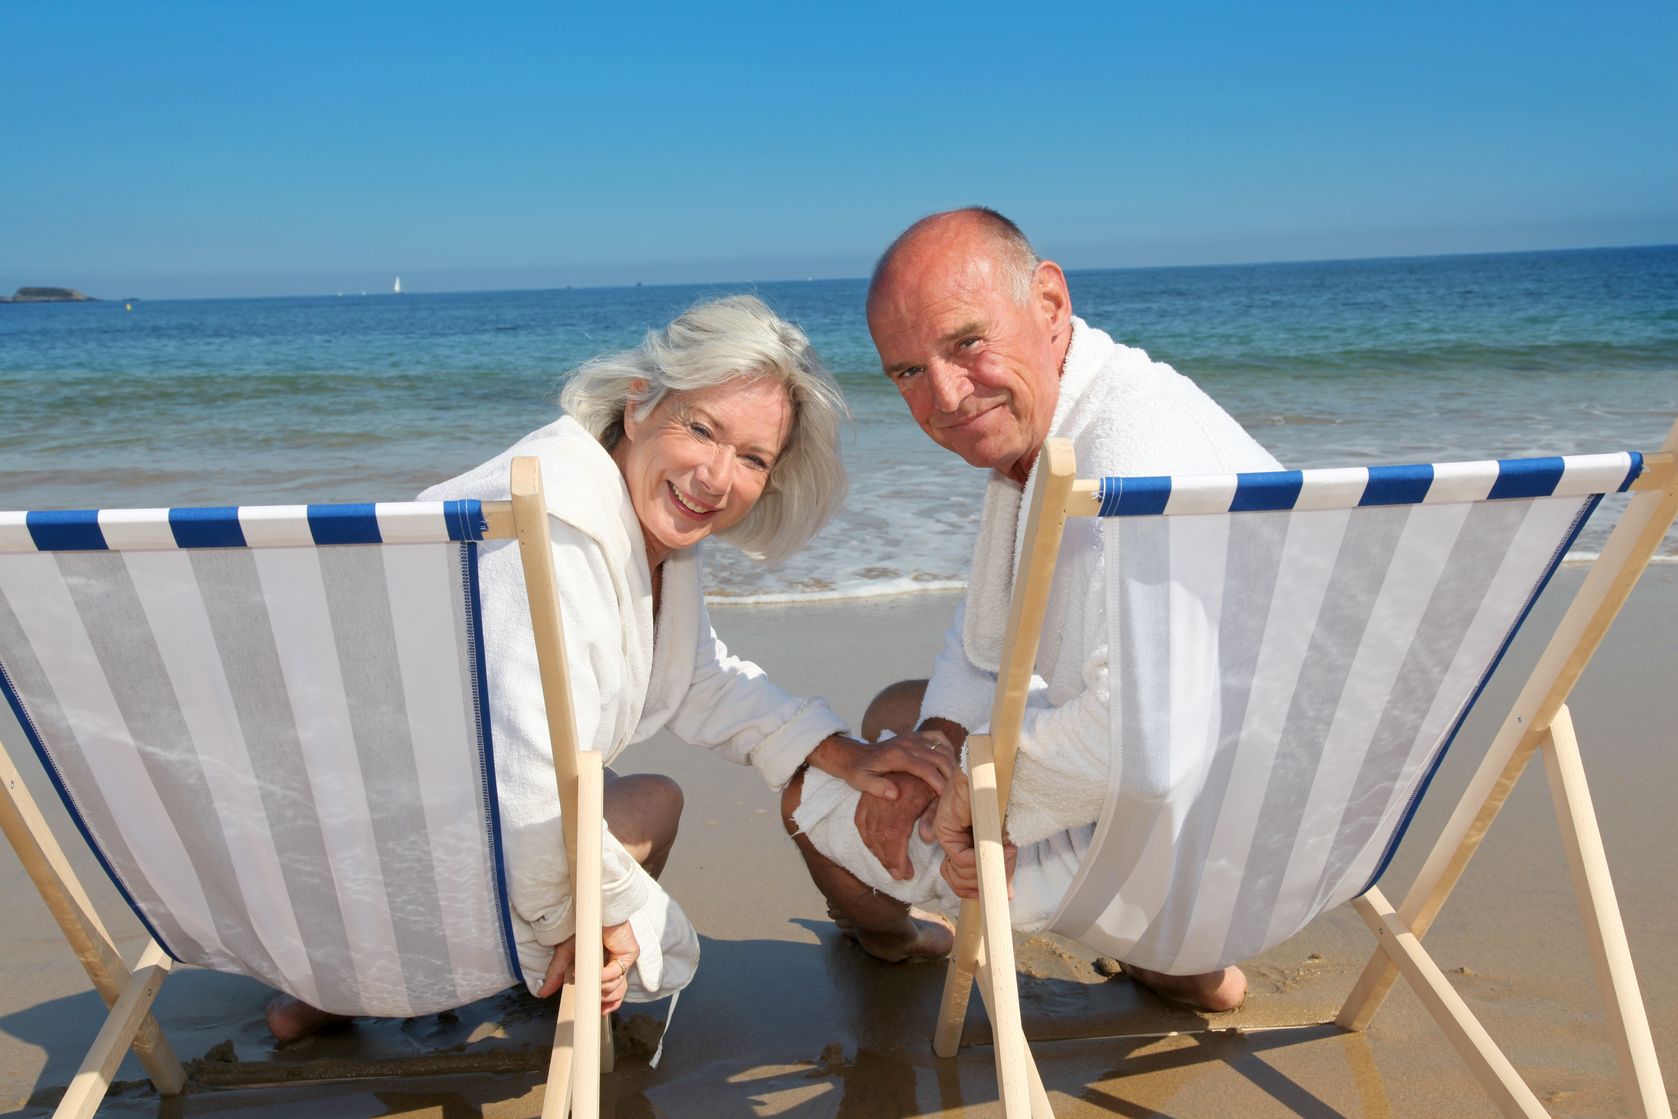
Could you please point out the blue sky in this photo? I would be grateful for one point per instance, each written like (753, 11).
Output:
(159, 149)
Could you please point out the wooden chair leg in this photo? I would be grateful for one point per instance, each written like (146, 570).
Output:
(1039, 1095)
(1627, 1021)
(44, 861)
(556, 1097)
(585, 1090)
(1475, 812)
(1004, 1000)
(958, 981)
(1484, 1059)
(131, 1010)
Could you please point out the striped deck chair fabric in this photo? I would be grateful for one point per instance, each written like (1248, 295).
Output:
(279, 751)
(1293, 653)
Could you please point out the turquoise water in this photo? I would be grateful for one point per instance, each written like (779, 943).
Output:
(373, 397)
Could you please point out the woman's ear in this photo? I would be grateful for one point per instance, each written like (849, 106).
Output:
(637, 393)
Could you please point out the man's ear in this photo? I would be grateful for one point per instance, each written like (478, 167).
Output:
(1052, 299)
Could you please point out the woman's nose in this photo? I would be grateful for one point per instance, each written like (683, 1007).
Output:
(716, 470)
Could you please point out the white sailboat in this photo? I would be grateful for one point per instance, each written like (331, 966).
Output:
(398, 289)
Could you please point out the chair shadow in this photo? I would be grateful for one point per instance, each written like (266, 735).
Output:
(214, 1024)
(770, 1026)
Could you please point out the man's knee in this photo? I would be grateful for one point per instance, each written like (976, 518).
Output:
(896, 710)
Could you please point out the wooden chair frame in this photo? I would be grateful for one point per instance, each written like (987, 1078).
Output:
(1538, 721)
(579, 1053)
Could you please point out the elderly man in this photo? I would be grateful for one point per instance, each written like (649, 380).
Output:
(979, 337)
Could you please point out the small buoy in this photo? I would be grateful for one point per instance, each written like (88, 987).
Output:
(128, 306)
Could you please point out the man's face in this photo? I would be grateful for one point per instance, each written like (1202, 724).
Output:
(979, 372)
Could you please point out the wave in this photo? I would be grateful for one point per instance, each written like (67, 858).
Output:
(885, 588)
(894, 588)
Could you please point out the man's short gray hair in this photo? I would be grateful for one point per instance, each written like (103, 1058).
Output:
(1013, 251)
(706, 345)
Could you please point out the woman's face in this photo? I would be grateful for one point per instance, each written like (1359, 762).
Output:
(699, 462)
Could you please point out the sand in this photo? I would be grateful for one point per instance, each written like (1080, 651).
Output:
(787, 1019)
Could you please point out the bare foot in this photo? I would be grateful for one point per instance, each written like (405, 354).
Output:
(920, 936)
(1216, 991)
(290, 1019)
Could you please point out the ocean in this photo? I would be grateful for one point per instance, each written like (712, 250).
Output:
(360, 398)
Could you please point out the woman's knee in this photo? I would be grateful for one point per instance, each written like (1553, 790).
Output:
(896, 710)
(666, 795)
(790, 798)
(644, 811)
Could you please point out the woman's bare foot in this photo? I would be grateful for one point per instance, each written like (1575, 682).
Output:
(1216, 991)
(920, 936)
(290, 1019)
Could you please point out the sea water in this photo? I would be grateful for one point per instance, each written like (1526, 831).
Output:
(360, 398)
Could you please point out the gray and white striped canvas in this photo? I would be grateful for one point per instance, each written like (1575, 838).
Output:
(279, 756)
(1284, 683)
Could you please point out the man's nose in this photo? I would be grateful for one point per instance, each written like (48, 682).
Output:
(949, 384)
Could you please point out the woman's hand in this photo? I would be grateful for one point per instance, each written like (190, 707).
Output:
(621, 952)
(867, 766)
(952, 826)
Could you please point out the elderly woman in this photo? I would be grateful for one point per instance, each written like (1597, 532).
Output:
(724, 423)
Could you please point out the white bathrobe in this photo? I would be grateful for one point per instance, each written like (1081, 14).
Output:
(627, 682)
(1125, 414)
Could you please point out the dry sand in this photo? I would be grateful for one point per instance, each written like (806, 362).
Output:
(787, 1019)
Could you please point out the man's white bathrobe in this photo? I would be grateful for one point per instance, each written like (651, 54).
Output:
(629, 679)
(1125, 414)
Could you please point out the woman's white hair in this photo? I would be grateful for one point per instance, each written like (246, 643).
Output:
(706, 345)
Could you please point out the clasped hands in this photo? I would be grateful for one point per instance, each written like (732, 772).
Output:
(899, 795)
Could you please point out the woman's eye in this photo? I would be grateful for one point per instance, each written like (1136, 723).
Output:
(700, 430)
(756, 462)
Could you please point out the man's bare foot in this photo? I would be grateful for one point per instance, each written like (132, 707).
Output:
(290, 1019)
(1216, 991)
(920, 936)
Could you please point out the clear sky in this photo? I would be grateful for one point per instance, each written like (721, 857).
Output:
(158, 149)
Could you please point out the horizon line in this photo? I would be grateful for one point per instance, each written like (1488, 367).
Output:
(834, 279)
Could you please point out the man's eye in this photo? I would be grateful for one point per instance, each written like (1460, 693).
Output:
(905, 374)
(968, 343)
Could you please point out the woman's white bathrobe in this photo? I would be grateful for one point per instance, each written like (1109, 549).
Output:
(627, 682)
(1125, 414)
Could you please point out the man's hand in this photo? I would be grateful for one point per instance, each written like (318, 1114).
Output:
(868, 767)
(622, 950)
(885, 825)
(952, 826)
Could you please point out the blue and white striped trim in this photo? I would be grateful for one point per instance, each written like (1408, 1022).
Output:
(1345, 488)
(241, 526)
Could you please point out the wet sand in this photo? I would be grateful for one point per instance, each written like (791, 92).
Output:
(788, 1019)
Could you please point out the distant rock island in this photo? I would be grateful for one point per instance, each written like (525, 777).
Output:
(48, 295)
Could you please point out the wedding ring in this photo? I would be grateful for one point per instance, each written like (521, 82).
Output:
(623, 968)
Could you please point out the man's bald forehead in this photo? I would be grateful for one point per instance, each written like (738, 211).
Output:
(989, 232)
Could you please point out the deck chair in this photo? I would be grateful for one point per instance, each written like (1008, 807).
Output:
(270, 725)
(1291, 653)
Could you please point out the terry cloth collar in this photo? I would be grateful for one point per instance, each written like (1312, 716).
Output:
(996, 550)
